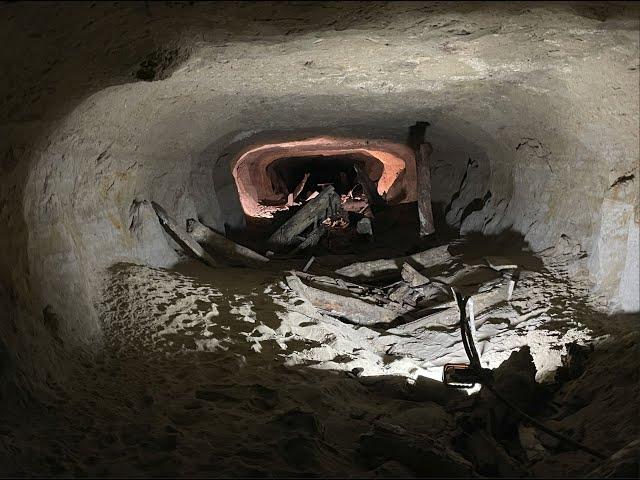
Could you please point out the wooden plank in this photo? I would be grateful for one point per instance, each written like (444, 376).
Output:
(220, 244)
(182, 237)
(384, 268)
(326, 204)
(423, 173)
(412, 276)
(298, 190)
(450, 317)
(351, 309)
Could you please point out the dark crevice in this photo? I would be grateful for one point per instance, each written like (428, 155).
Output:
(463, 182)
(476, 205)
(622, 179)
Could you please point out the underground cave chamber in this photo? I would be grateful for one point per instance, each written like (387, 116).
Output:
(234, 241)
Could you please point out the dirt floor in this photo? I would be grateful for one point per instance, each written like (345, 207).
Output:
(227, 372)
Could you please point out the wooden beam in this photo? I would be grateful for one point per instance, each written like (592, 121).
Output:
(423, 173)
(326, 204)
(220, 244)
(182, 237)
(369, 186)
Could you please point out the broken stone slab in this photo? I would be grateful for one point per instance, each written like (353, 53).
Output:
(425, 389)
(412, 276)
(337, 283)
(425, 455)
(182, 237)
(352, 309)
(500, 263)
(368, 293)
(220, 244)
(150, 243)
(403, 294)
(379, 269)
(363, 227)
(470, 279)
(622, 464)
(314, 212)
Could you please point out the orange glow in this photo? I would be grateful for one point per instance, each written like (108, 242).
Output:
(397, 182)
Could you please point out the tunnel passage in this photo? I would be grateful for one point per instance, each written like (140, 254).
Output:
(310, 174)
(266, 174)
(107, 108)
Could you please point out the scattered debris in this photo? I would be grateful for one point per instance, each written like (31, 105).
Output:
(412, 276)
(218, 243)
(182, 237)
(380, 269)
(350, 309)
(312, 239)
(312, 214)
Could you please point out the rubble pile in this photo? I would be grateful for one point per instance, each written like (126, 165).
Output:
(403, 296)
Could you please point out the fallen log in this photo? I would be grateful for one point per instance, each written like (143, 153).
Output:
(315, 211)
(181, 236)
(500, 263)
(337, 285)
(380, 269)
(220, 244)
(351, 309)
